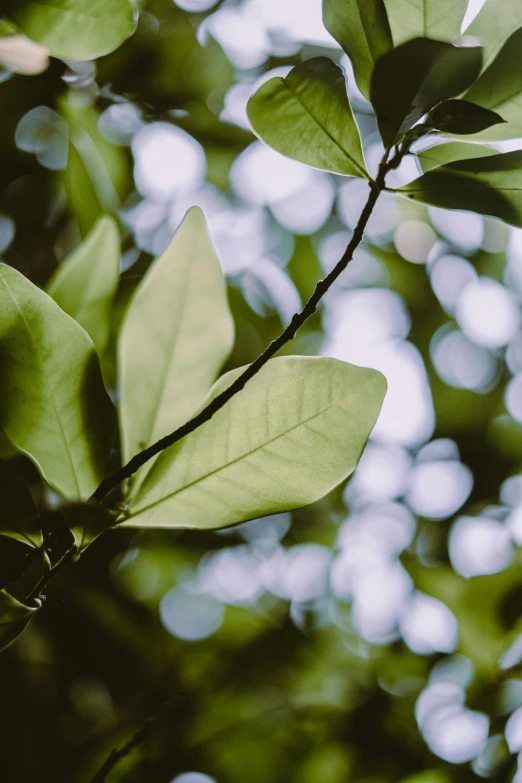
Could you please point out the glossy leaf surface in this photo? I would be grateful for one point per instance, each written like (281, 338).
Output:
(291, 435)
(499, 89)
(451, 152)
(408, 81)
(489, 185)
(462, 117)
(77, 29)
(53, 405)
(361, 28)
(177, 333)
(439, 19)
(495, 22)
(307, 116)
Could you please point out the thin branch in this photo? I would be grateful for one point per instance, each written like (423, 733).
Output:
(117, 754)
(111, 482)
(376, 188)
(51, 572)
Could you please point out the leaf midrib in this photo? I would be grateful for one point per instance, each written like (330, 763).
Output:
(51, 395)
(366, 37)
(161, 386)
(325, 131)
(234, 461)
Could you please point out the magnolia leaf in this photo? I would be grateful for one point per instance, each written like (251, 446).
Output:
(53, 405)
(411, 79)
(361, 28)
(461, 117)
(85, 284)
(14, 618)
(77, 29)
(499, 88)
(450, 152)
(176, 335)
(495, 22)
(291, 435)
(439, 19)
(18, 511)
(489, 185)
(87, 521)
(307, 116)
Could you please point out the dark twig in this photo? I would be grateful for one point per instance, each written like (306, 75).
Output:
(117, 754)
(122, 474)
(51, 572)
(376, 187)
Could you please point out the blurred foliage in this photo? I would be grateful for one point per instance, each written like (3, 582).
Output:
(287, 689)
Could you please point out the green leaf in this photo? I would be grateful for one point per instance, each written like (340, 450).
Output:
(461, 117)
(88, 521)
(489, 185)
(85, 284)
(97, 175)
(77, 29)
(411, 79)
(176, 335)
(14, 618)
(17, 508)
(307, 117)
(53, 405)
(450, 152)
(291, 435)
(499, 88)
(495, 22)
(440, 19)
(361, 28)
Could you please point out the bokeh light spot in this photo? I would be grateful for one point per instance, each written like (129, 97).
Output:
(190, 617)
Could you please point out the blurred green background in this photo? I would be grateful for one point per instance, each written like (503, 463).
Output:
(374, 636)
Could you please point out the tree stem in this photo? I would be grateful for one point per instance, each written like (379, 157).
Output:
(122, 474)
(140, 736)
(125, 472)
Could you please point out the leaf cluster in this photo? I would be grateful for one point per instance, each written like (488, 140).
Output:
(291, 436)
(424, 82)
